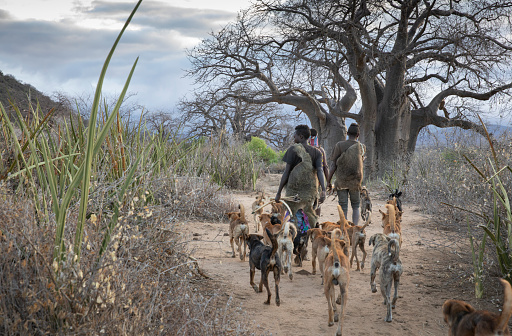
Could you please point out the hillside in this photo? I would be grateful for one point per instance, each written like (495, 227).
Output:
(14, 91)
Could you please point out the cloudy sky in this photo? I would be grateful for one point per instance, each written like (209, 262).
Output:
(60, 45)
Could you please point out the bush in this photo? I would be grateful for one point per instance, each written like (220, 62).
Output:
(262, 151)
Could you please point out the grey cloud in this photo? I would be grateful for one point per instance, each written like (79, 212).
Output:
(60, 56)
(191, 22)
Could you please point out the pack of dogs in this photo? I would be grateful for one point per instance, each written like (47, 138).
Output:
(330, 244)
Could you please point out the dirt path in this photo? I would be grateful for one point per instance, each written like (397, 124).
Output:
(427, 281)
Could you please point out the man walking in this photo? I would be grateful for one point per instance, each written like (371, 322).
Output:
(302, 175)
(347, 162)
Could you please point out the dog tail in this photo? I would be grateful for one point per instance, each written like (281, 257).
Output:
(343, 220)
(368, 221)
(273, 240)
(507, 305)
(242, 211)
(336, 234)
(395, 255)
(391, 216)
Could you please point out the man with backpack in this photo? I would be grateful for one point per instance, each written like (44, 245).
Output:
(347, 163)
(302, 175)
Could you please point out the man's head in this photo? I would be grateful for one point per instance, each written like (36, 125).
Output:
(313, 131)
(302, 133)
(353, 130)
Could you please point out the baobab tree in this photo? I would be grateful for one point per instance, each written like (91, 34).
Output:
(208, 115)
(405, 64)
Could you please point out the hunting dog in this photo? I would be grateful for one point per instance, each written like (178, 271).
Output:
(238, 231)
(464, 320)
(272, 223)
(336, 273)
(395, 201)
(285, 238)
(300, 247)
(319, 249)
(357, 234)
(366, 203)
(264, 258)
(257, 209)
(280, 210)
(386, 256)
(390, 225)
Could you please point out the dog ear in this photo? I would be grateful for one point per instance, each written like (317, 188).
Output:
(371, 241)
(384, 215)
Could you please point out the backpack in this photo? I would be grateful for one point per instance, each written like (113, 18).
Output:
(349, 171)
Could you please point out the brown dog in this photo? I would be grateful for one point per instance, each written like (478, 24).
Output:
(238, 231)
(391, 228)
(357, 234)
(336, 273)
(270, 222)
(280, 210)
(258, 210)
(464, 320)
(320, 249)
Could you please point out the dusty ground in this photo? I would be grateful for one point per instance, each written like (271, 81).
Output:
(435, 269)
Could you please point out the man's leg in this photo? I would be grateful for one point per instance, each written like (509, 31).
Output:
(343, 200)
(355, 201)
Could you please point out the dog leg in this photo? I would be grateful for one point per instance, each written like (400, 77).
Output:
(329, 297)
(277, 277)
(373, 285)
(264, 275)
(245, 247)
(290, 273)
(343, 295)
(252, 271)
(334, 303)
(385, 289)
(355, 239)
(313, 261)
(361, 247)
(395, 297)
(231, 240)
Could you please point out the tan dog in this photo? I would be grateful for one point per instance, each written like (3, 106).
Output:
(258, 210)
(280, 210)
(238, 231)
(398, 213)
(386, 256)
(285, 238)
(319, 249)
(464, 320)
(357, 234)
(389, 224)
(266, 222)
(344, 225)
(336, 273)
(329, 226)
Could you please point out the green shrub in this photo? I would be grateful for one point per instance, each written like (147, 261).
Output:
(262, 151)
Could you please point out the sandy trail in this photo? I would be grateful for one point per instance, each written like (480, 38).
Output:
(426, 281)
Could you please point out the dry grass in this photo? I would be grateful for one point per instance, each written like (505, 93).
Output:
(145, 284)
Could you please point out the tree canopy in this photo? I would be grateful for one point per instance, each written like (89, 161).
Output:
(394, 66)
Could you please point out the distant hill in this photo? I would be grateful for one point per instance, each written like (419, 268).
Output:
(12, 90)
(435, 136)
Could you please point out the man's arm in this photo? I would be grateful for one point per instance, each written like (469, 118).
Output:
(324, 163)
(320, 175)
(284, 180)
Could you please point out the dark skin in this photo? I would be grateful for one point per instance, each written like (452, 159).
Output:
(298, 138)
(333, 167)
